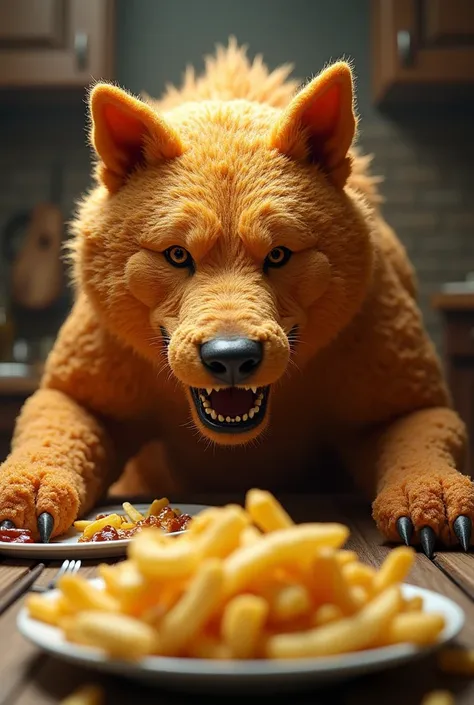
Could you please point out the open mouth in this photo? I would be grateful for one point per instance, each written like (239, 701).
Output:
(232, 409)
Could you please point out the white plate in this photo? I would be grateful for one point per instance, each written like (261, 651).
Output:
(229, 676)
(67, 546)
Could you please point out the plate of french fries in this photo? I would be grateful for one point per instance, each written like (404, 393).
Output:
(244, 599)
(106, 531)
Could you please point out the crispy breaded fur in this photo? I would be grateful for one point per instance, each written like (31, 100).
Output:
(233, 164)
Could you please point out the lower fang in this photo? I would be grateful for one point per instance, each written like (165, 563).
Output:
(256, 409)
(208, 411)
(251, 414)
(206, 404)
(213, 415)
(220, 418)
(228, 419)
(245, 417)
(237, 418)
(258, 402)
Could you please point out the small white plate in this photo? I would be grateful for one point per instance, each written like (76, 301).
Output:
(246, 676)
(68, 546)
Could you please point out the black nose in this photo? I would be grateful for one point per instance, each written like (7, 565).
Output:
(231, 360)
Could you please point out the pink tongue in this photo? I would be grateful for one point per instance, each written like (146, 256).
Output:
(232, 402)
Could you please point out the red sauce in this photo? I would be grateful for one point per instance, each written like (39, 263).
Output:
(16, 536)
(107, 533)
(167, 521)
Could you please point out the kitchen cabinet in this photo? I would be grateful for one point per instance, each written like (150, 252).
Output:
(55, 43)
(422, 49)
(457, 314)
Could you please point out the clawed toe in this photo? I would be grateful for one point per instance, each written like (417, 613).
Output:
(45, 526)
(405, 529)
(6, 524)
(428, 541)
(463, 529)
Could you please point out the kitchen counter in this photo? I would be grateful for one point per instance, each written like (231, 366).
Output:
(17, 379)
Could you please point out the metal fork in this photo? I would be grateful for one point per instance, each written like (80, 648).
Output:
(69, 567)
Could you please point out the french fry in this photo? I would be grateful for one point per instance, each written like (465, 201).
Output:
(329, 583)
(325, 614)
(127, 525)
(345, 556)
(417, 628)
(156, 559)
(208, 647)
(192, 611)
(456, 661)
(133, 514)
(395, 568)
(86, 695)
(81, 524)
(43, 610)
(242, 625)
(84, 595)
(413, 604)
(118, 635)
(285, 546)
(358, 574)
(289, 602)
(266, 512)
(222, 536)
(114, 520)
(156, 507)
(438, 697)
(347, 634)
(249, 536)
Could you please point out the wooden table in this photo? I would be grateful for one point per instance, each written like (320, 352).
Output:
(30, 677)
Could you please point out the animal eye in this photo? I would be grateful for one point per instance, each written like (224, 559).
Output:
(178, 257)
(277, 257)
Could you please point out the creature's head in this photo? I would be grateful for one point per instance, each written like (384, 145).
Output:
(226, 234)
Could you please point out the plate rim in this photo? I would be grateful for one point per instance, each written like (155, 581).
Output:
(37, 549)
(367, 660)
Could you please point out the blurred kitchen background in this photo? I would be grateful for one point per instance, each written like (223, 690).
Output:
(414, 62)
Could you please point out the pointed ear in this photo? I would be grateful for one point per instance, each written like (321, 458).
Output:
(126, 132)
(320, 123)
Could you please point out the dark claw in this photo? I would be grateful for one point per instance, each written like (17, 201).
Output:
(45, 526)
(463, 528)
(428, 540)
(7, 524)
(405, 529)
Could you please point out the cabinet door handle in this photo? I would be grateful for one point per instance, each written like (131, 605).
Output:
(405, 48)
(81, 50)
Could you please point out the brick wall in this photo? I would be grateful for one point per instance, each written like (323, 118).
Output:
(426, 162)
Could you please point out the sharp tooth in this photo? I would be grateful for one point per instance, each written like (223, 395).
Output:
(245, 417)
(232, 420)
(206, 404)
(256, 409)
(213, 414)
(257, 402)
(251, 414)
(208, 390)
(227, 418)
(220, 418)
(254, 389)
(208, 411)
(202, 397)
(260, 396)
(237, 418)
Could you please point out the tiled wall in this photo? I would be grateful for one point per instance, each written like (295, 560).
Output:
(427, 164)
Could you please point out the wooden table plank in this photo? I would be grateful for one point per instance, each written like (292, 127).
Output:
(460, 567)
(11, 570)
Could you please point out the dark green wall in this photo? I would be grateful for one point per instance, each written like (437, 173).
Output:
(158, 38)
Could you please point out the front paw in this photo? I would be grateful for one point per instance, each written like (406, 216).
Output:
(426, 508)
(29, 490)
